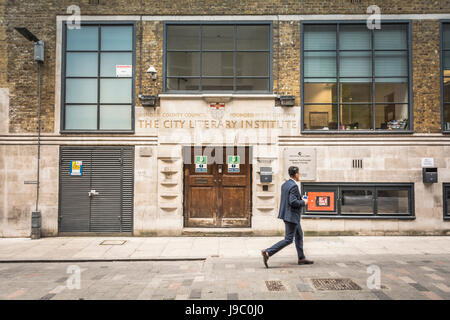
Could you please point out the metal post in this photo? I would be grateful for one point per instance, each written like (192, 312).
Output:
(39, 57)
(36, 215)
(39, 135)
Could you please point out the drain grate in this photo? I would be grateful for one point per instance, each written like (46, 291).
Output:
(112, 242)
(335, 284)
(275, 286)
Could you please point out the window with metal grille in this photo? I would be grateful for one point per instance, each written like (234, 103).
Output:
(218, 57)
(98, 77)
(355, 78)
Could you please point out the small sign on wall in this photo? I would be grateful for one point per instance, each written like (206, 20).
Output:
(124, 71)
(427, 162)
(233, 163)
(76, 168)
(201, 163)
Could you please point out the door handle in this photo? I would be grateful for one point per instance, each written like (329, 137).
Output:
(93, 193)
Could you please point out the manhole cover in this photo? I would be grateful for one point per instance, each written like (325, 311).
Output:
(275, 286)
(335, 284)
(112, 242)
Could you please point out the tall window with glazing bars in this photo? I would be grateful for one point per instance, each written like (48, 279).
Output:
(98, 78)
(218, 57)
(445, 61)
(355, 78)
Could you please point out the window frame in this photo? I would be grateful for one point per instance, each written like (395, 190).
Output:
(235, 77)
(441, 58)
(445, 189)
(374, 186)
(63, 77)
(410, 103)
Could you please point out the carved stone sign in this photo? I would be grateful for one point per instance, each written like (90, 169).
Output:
(217, 119)
(304, 159)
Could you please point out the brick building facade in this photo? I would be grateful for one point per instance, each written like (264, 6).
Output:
(165, 198)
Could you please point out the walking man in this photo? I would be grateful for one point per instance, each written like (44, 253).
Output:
(290, 207)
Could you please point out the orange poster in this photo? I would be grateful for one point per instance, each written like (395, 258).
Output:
(321, 201)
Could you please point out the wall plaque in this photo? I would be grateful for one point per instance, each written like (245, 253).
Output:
(304, 159)
(427, 162)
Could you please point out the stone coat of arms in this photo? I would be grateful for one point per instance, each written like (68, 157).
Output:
(217, 110)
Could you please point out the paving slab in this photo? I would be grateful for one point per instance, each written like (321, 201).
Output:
(89, 248)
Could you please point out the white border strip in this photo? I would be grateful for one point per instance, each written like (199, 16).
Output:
(431, 16)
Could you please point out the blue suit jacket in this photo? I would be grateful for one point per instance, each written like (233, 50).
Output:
(291, 202)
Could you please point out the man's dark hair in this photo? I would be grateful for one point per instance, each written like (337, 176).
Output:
(293, 170)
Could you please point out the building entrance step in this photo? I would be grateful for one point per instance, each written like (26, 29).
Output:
(217, 232)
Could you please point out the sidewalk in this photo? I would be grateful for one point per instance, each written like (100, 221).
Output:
(193, 248)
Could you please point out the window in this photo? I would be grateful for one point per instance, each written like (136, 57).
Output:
(445, 73)
(98, 78)
(360, 200)
(354, 78)
(218, 57)
(446, 200)
(355, 200)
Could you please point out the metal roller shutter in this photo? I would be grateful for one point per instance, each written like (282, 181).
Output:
(74, 199)
(127, 189)
(109, 171)
(106, 180)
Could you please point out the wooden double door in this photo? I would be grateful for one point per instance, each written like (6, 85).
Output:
(217, 186)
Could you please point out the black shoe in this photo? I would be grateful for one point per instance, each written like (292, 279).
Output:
(304, 261)
(265, 257)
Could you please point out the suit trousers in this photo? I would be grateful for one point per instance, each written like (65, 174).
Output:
(293, 230)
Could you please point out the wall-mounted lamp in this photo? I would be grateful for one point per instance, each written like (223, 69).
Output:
(38, 44)
(152, 71)
(147, 100)
(287, 101)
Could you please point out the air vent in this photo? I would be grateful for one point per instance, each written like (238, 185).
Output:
(357, 163)
(335, 284)
(355, 1)
(94, 2)
(275, 286)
